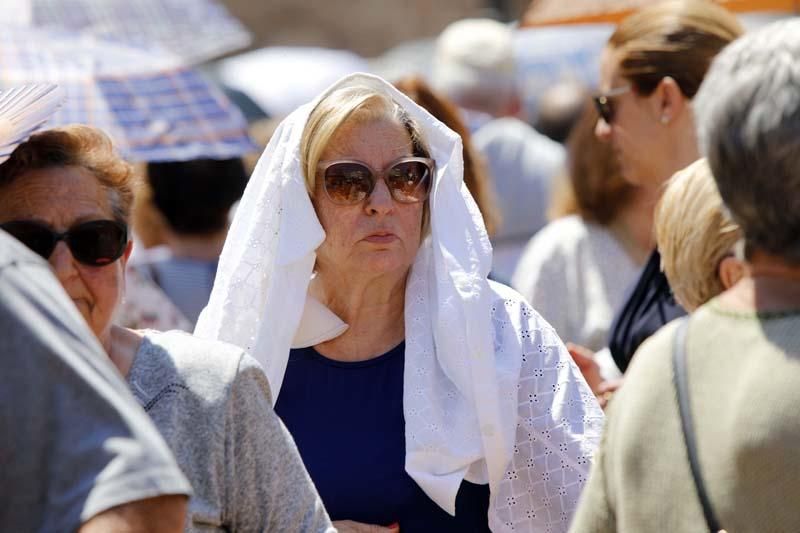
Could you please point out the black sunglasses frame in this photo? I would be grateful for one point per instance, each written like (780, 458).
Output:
(604, 104)
(90, 256)
(375, 175)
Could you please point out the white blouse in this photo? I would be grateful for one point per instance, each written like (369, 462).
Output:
(576, 275)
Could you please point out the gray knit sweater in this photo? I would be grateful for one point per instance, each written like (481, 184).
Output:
(211, 402)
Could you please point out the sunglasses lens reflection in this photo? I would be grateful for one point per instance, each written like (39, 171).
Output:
(348, 183)
(409, 181)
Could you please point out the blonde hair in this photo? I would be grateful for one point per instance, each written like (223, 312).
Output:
(356, 104)
(676, 38)
(694, 232)
(80, 146)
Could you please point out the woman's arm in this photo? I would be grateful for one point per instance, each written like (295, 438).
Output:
(268, 488)
(162, 514)
(558, 425)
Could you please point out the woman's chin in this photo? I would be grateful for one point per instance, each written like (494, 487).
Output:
(384, 262)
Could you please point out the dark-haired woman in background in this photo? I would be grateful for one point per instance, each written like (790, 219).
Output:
(651, 69)
(191, 201)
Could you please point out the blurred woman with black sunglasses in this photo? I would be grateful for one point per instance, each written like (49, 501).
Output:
(67, 196)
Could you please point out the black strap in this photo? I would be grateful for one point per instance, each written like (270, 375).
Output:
(679, 375)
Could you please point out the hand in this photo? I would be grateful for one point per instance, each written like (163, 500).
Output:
(584, 359)
(607, 389)
(348, 526)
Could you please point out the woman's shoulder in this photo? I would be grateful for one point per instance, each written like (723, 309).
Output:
(206, 367)
(564, 230)
(559, 238)
(651, 366)
(551, 254)
(510, 306)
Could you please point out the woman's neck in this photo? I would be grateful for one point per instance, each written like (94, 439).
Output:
(681, 150)
(121, 345)
(771, 285)
(373, 309)
(633, 225)
(200, 247)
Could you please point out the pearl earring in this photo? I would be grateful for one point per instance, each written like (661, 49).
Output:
(664, 119)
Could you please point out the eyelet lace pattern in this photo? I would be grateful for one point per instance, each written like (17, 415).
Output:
(558, 426)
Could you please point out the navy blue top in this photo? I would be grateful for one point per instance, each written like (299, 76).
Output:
(347, 421)
(649, 306)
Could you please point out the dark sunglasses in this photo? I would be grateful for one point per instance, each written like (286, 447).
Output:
(95, 243)
(604, 104)
(348, 182)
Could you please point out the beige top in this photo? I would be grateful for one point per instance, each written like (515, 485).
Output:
(744, 380)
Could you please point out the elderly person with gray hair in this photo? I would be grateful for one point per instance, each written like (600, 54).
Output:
(474, 65)
(736, 359)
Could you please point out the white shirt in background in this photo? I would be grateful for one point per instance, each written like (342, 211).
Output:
(576, 275)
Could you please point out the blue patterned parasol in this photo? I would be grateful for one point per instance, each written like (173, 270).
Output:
(154, 108)
(194, 30)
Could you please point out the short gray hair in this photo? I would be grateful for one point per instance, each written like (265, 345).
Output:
(474, 64)
(748, 117)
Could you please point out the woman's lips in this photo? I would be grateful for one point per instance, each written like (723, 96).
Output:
(381, 238)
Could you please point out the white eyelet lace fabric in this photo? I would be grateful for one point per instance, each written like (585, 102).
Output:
(554, 418)
(490, 393)
(558, 424)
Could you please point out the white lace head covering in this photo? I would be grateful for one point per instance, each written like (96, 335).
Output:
(457, 422)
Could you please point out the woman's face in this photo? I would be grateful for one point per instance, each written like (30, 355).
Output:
(379, 235)
(60, 198)
(635, 133)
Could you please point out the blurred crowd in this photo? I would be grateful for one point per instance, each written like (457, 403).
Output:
(303, 291)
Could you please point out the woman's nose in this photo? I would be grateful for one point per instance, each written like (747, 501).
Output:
(602, 130)
(380, 201)
(62, 262)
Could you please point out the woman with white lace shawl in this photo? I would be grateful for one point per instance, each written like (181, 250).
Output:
(410, 382)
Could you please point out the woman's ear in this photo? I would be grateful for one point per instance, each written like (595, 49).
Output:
(669, 100)
(127, 253)
(730, 271)
(124, 262)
